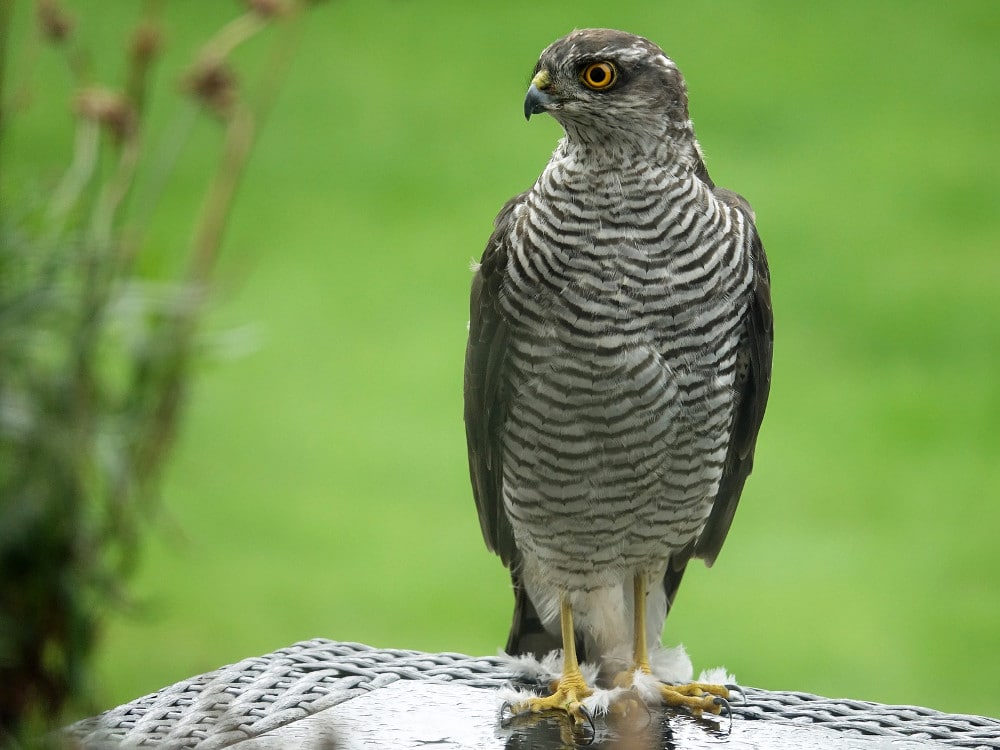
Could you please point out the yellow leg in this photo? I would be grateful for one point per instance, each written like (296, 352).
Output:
(571, 688)
(640, 651)
(696, 697)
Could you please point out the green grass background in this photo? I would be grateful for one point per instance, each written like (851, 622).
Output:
(320, 486)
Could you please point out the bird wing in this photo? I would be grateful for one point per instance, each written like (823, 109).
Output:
(486, 387)
(752, 387)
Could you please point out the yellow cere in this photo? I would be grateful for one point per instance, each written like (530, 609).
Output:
(541, 79)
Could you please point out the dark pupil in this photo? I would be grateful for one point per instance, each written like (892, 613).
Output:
(598, 74)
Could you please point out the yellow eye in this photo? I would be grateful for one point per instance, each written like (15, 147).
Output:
(599, 75)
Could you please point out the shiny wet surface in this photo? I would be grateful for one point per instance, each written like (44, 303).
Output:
(419, 714)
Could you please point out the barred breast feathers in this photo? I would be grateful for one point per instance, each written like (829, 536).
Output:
(625, 256)
(625, 290)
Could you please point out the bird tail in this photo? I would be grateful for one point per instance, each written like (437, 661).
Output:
(527, 631)
(671, 582)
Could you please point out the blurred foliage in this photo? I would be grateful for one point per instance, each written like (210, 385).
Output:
(94, 352)
(320, 482)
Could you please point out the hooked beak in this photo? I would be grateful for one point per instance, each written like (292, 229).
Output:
(537, 100)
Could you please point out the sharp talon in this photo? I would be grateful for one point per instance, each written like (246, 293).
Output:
(504, 708)
(589, 717)
(738, 690)
(725, 709)
(590, 720)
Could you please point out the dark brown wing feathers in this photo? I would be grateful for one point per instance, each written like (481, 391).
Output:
(752, 391)
(485, 397)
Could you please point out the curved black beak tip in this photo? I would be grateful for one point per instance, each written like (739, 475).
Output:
(536, 101)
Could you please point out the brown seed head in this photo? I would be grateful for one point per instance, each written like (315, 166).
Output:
(109, 108)
(53, 20)
(269, 8)
(213, 83)
(146, 42)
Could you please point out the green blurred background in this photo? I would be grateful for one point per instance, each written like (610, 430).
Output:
(320, 486)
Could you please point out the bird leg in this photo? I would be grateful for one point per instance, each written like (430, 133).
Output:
(640, 651)
(696, 697)
(571, 688)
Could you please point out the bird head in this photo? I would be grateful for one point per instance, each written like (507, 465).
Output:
(607, 85)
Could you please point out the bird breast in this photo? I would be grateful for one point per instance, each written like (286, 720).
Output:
(624, 297)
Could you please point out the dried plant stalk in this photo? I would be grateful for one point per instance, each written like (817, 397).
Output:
(94, 359)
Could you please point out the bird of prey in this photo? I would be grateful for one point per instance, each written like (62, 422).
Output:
(617, 368)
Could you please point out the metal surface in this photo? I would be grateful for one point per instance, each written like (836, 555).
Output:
(424, 715)
(450, 700)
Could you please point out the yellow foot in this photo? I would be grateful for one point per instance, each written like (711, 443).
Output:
(567, 698)
(696, 697)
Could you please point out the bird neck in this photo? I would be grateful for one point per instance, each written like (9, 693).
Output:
(672, 148)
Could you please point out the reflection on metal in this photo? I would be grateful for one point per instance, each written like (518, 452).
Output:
(328, 694)
(413, 714)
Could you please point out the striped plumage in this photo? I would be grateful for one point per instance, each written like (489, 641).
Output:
(619, 352)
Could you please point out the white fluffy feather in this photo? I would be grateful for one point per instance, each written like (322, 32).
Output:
(600, 701)
(671, 664)
(527, 666)
(647, 686)
(510, 695)
(717, 676)
(548, 668)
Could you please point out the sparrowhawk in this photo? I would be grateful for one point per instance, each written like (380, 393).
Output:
(618, 365)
